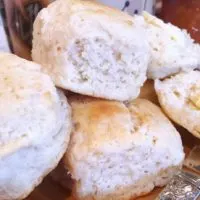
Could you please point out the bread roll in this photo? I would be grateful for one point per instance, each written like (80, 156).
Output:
(172, 49)
(91, 49)
(179, 96)
(120, 151)
(35, 126)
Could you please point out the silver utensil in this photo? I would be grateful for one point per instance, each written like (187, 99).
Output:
(185, 185)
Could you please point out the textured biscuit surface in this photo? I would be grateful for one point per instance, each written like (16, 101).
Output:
(35, 126)
(119, 151)
(179, 96)
(172, 49)
(91, 49)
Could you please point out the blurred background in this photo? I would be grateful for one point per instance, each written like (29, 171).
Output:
(17, 17)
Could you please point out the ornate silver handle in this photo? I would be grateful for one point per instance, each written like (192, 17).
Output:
(183, 186)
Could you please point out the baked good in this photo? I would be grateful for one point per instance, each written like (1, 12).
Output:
(91, 49)
(172, 49)
(179, 97)
(120, 151)
(61, 175)
(35, 125)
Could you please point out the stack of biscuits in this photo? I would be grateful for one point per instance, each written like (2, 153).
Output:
(78, 101)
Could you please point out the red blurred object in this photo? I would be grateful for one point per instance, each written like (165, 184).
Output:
(184, 14)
